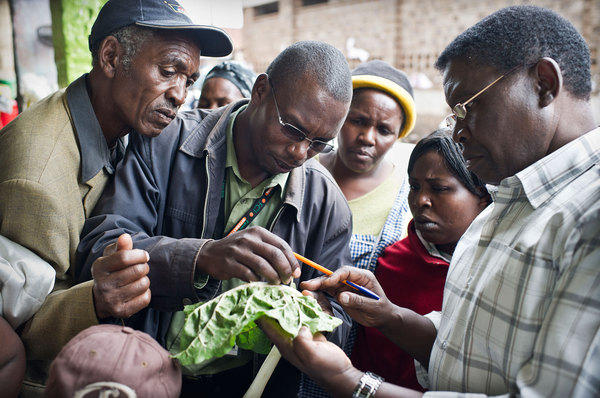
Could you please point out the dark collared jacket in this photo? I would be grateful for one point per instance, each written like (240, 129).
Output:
(167, 194)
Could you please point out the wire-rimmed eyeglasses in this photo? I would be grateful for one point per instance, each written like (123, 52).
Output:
(459, 111)
(297, 135)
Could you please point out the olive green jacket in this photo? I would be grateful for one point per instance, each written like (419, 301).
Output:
(47, 189)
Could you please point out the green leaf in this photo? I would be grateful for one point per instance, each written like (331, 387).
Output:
(211, 329)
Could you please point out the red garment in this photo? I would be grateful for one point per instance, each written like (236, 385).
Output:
(411, 278)
(5, 118)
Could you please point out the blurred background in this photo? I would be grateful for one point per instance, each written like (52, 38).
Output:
(43, 43)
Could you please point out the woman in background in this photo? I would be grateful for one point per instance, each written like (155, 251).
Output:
(226, 82)
(445, 197)
(382, 111)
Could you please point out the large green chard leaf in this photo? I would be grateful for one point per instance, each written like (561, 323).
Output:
(211, 329)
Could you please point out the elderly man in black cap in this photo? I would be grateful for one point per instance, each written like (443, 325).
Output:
(57, 156)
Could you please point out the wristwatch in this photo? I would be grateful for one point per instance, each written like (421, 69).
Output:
(368, 384)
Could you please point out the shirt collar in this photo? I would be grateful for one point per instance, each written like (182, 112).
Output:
(231, 161)
(552, 173)
(432, 249)
(95, 154)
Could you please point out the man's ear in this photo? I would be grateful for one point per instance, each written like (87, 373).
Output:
(109, 56)
(549, 80)
(260, 88)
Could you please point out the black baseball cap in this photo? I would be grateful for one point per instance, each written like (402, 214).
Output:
(158, 14)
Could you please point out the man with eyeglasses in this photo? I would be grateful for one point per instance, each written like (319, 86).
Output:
(228, 196)
(521, 307)
(522, 299)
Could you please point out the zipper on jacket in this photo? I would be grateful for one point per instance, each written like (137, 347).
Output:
(207, 194)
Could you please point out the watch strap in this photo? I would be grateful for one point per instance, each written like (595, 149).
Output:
(367, 386)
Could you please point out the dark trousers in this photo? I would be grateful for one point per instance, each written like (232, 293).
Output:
(235, 382)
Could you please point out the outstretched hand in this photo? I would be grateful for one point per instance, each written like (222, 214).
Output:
(320, 359)
(121, 286)
(253, 254)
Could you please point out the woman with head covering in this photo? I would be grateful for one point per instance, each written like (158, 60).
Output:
(382, 111)
(226, 82)
(444, 199)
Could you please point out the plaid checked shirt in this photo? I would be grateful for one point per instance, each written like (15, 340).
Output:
(521, 311)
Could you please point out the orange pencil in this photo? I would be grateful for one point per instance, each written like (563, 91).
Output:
(326, 271)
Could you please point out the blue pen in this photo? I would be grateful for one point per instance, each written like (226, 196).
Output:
(363, 290)
(326, 271)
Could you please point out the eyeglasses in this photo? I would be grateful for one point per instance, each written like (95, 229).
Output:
(297, 135)
(459, 111)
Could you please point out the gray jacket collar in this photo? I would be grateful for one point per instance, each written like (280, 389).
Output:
(95, 154)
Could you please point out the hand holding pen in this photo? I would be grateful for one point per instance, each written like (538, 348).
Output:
(326, 271)
(365, 310)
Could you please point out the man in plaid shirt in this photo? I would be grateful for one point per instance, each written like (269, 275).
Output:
(521, 310)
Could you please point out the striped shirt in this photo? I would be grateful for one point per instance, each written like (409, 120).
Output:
(521, 310)
(366, 249)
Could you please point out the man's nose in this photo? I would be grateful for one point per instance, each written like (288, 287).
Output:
(178, 92)
(299, 151)
(459, 133)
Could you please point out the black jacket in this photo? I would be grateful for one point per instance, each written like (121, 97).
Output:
(166, 194)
